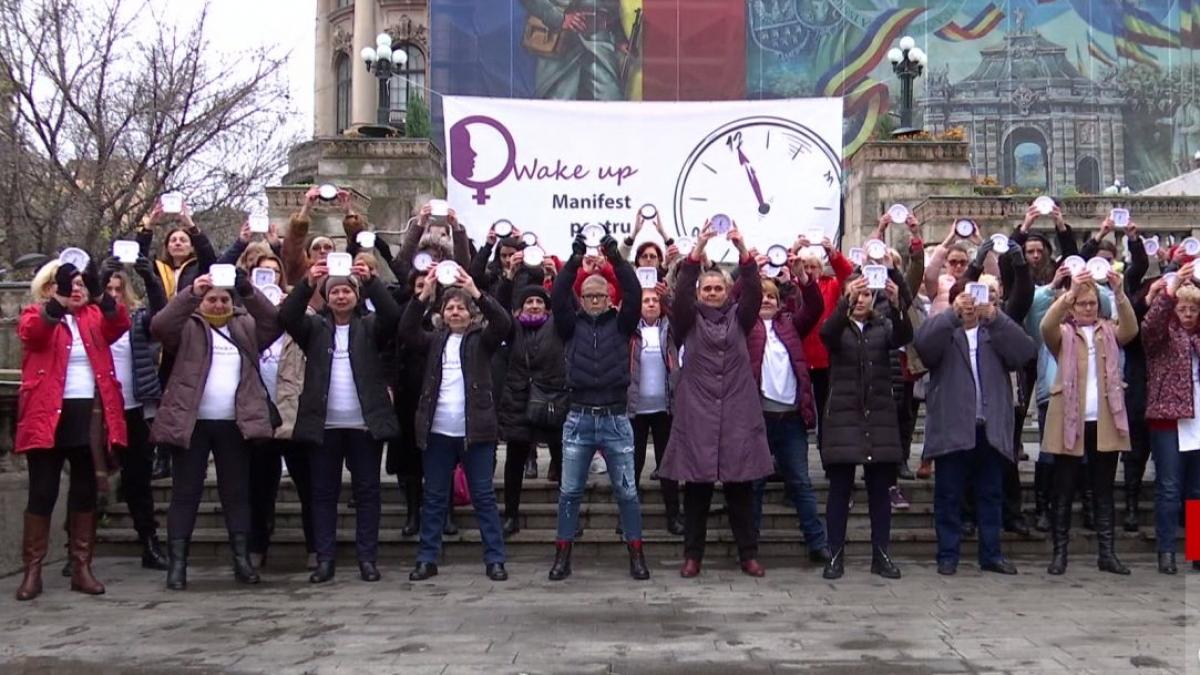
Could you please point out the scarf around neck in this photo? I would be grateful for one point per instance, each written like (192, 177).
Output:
(217, 320)
(1113, 392)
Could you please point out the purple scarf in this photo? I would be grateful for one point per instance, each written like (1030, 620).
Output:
(1114, 392)
(533, 320)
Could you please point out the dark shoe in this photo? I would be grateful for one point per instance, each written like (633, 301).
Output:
(323, 573)
(531, 468)
(637, 561)
(68, 567)
(690, 569)
(1000, 566)
(1106, 515)
(675, 525)
(925, 471)
(968, 529)
(561, 569)
(162, 464)
(554, 474)
(906, 473)
(947, 568)
(413, 493)
(83, 546)
(423, 571)
(820, 555)
(449, 529)
(882, 565)
(654, 475)
(177, 557)
(1041, 497)
(753, 568)
(368, 571)
(898, 500)
(835, 566)
(1132, 522)
(1166, 563)
(152, 555)
(1018, 525)
(35, 541)
(1060, 534)
(412, 524)
(495, 571)
(510, 527)
(243, 569)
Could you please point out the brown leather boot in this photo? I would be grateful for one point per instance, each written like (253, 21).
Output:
(34, 543)
(83, 544)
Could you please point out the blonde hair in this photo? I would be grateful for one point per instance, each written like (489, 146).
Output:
(991, 282)
(770, 288)
(42, 286)
(127, 296)
(368, 259)
(1188, 293)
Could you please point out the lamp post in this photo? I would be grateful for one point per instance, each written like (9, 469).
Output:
(908, 62)
(382, 62)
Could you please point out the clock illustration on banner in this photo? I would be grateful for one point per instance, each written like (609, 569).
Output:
(772, 176)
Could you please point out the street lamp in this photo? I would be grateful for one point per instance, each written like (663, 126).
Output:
(382, 62)
(908, 62)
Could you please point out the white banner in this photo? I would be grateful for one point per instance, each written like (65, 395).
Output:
(551, 167)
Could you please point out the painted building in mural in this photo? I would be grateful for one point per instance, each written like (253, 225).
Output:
(1061, 96)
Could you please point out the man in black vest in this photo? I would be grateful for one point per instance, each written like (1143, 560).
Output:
(596, 337)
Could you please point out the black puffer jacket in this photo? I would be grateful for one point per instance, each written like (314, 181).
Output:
(597, 347)
(478, 344)
(369, 336)
(535, 354)
(860, 421)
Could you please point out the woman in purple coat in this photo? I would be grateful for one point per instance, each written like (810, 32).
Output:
(717, 433)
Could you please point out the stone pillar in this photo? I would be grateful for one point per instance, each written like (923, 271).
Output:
(324, 81)
(363, 96)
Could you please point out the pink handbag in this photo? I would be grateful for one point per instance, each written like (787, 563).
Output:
(462, 491)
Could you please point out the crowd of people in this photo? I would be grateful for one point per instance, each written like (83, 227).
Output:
(283, 350)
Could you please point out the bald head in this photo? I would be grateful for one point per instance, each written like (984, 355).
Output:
(594, 294)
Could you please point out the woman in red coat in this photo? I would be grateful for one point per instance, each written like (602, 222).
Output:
(66, 376)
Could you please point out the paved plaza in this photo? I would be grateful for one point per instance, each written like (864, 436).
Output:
(599, 621)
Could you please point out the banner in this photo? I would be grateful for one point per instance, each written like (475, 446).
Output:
(552, 167)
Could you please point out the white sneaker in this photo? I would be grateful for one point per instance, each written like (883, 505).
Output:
(598, 465)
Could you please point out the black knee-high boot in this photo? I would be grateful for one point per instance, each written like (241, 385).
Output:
(1041, 495)
(412, 499)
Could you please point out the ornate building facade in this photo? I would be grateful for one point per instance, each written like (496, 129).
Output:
(346, 94)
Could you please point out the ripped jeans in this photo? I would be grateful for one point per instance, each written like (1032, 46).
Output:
(612, 435)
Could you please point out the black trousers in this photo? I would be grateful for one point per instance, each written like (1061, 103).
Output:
(1139, 453)
(266, 472)
(516, 453)
(906, 410)
(362, 455)
(658, 426)
(222, 439)
(137, 463)
(820, 384)
(739, 499)
(1100, 472)
(878, 477)
(45, 470)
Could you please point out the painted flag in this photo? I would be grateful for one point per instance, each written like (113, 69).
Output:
(1191, 529)
(1189, 24)
(983, 23)
(864, 106)
(862, 59)
(693, 50)
(1142, 28)
(1134, 51)
(1097, 52)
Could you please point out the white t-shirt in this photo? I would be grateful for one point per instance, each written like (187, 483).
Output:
(219, 400)
(450, 415)
(1091, 397)
(343, 410)
(81, 380)
(1189, 429)
(778, 380)
(973, 343)
(652, 373)
(122, 354)
(268, 365)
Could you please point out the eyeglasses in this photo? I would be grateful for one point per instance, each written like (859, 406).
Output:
(1087, 303)
(956, 263)
(595, 297)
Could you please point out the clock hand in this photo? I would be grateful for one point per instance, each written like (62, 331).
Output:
(763, 206)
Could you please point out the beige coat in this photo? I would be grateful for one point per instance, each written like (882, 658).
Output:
(1108, 438)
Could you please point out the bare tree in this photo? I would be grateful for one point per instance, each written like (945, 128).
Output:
(109, 105)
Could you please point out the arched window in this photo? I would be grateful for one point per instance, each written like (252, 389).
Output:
(342, 101)
(408, 83)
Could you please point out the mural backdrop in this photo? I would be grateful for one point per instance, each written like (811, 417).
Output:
(1055, 95)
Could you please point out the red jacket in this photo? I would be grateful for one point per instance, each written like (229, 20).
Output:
(831, 292)
(46, 344)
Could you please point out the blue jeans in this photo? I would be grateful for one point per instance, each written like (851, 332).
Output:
(1177, 476)
(362, 455)
(442, 454)
(788, 440)
(983, 466)
(583, 434)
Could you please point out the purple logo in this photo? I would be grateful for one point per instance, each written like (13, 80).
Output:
(462, 155)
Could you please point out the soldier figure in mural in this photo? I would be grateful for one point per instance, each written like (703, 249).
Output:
(580, 45)
(1185, 131)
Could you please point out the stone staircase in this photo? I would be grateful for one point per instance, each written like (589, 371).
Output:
(912, 538)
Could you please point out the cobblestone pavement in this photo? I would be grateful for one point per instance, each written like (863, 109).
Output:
(599, 621)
